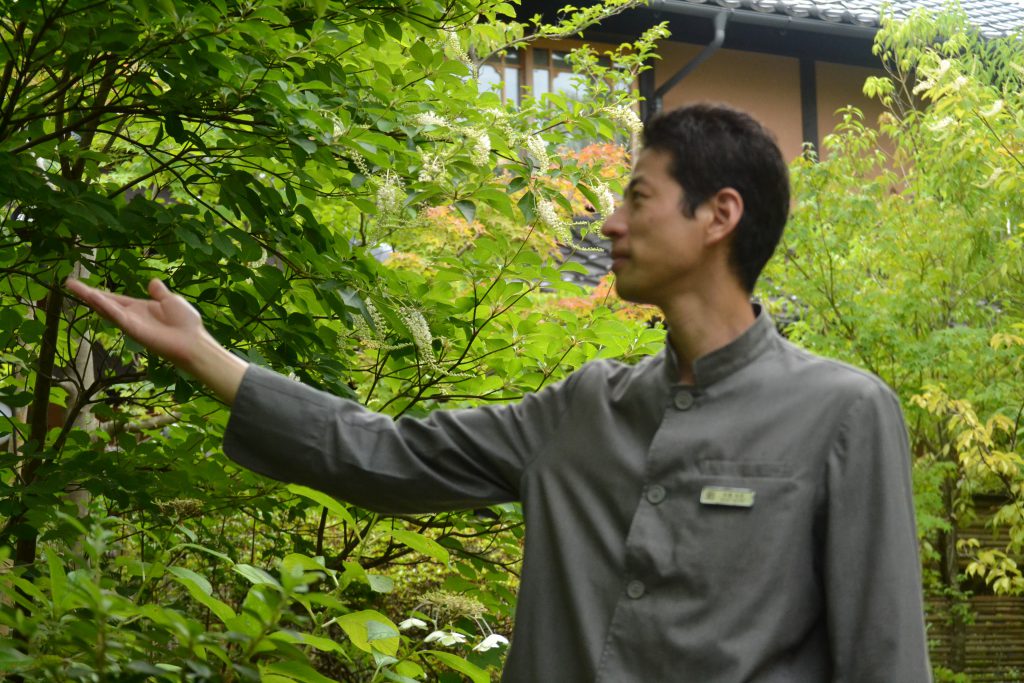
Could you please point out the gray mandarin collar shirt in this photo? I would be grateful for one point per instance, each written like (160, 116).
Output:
(755, 527)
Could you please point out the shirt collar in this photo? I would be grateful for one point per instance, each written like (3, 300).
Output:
(726, 360)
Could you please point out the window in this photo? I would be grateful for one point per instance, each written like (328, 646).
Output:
(552, 72)
(537, 71)
(504, 75)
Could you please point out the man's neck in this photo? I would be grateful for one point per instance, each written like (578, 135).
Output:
(700, 323)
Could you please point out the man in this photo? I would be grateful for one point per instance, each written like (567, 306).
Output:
(731, 510)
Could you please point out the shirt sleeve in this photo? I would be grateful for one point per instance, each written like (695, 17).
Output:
(453, 459)
(874, 598)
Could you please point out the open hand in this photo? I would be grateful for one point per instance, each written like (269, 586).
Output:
(165, 324)
(170, 327)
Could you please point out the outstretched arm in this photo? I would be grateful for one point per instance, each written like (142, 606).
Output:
(170, 327)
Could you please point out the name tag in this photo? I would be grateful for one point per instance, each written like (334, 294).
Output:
(724, 495)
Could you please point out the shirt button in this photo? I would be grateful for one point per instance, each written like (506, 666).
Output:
(684, 400)
(635, 589)
(655, 494)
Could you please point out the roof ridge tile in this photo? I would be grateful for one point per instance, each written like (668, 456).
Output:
(993, 18)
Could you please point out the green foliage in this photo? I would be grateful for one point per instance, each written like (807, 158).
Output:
(944, 675)
(259, 157)
(905, 255)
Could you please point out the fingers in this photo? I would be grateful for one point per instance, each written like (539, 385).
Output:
(107, 304)
(90, 294)
(79, 288)
(158, 290)
(83, 291)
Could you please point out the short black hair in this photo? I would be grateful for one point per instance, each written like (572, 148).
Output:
(714, 146)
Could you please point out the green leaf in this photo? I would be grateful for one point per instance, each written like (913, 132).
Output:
(31, 331)
(201, 591)
(174, 128)
(393, 28)
(192, 577)
(58, 579)
(475, 673)
(224, 244)
(378, 631)
(208, 551)
(422, 54)
(528, 207)
(319, 642)
(15, 399)
(380, 583)
(297, 671)
(467, 209)
(308, 146)
(332, 504)
(498, 200)
(385, 636)
(420, 544)
(409, 668)
(11, 658)
(255, 575)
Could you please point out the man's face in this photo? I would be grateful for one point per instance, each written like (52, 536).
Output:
(656, 249)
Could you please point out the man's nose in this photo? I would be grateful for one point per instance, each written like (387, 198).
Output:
(615, 225)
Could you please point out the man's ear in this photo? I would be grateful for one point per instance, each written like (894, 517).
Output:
(726, 208)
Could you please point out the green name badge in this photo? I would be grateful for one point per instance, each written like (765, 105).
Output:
(729, 497)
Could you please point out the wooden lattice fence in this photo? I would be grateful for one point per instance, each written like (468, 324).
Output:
(990, 646)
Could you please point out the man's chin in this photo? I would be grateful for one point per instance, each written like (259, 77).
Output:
(629, 294)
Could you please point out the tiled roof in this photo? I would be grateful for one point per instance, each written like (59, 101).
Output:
(992, 17)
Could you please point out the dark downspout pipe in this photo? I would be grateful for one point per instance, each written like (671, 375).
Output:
(809, 103)
(719, 21)
(647, 99)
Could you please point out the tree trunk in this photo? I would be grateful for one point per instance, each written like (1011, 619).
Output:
(25, 550)
(957, 659)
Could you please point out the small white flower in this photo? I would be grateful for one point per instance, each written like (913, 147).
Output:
(412, 622)
(490, 642)
(432, 169)
(360, 163)
(605, 200)
(625, 116)
(421, 336)
(941, 124)
(923, 85)
(549, 216)
(447, 638)
(378, 319)
(547, 213)
(538, 151)
(361, 330)
(390, 195)
(430, 119)
(480, 154)
(504, 123)
(454, 45)
(996, 107)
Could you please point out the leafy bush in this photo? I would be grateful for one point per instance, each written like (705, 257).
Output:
(263, 158)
